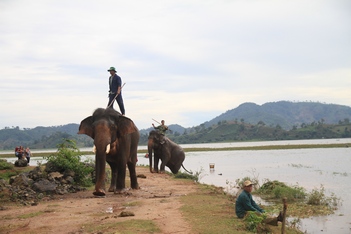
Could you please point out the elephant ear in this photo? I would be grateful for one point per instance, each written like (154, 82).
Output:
(125, 126)
(86, 127)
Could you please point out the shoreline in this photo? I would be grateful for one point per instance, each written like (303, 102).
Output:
(265, 147)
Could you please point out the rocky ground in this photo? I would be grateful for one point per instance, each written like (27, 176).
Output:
(156, 200)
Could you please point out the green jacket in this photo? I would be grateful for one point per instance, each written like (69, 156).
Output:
(245, 203)
(162, 129)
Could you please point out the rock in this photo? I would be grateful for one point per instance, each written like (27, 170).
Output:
(141, 176)
(20, 180)
(21, 163)
(36, 174)
(55, 176)
(126, 214)
(28, 188)
(50, 167)
(69, 180)
(44, 186)
(69, 173)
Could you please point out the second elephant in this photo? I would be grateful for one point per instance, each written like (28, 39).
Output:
(170, 154)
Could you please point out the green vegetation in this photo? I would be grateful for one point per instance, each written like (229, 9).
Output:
(254, 222)
(31, 215)
(183, 175)
(232, 131)
(67, 158)
(9, 170)
(211, 210)
(4, 165)
(249, 122)
(316, 202)
(278, 190)
(318, 198)
(124, 227)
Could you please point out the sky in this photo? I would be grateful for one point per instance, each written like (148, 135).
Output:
(183, 61)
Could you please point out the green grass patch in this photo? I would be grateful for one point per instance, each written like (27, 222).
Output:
(134, 203)
(126, 227)
(30, 215)
(277, 190)
(211, 210)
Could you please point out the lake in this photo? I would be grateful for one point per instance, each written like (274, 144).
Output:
(308, 168)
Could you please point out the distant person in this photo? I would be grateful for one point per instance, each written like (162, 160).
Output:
(28, 154)
(245, 203)
(19, 152)
(161, 128)
(115, 92)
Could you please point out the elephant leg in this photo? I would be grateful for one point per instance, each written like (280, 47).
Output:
(100, 178)
(113, 176)
(121, 178)
(166, 156)
(156, 161)
(163, 165)
(133, 176)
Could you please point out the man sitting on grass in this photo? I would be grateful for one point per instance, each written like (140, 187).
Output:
(245, 203)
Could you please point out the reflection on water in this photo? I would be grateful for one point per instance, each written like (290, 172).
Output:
(309, 168)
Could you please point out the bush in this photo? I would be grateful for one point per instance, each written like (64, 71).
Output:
(4, 165)
(318, 198)
(254, 222)
(67, 158)
(184, 175)
(278, 190)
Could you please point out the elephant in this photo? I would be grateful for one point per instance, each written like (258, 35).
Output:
(116, 141)
(171, 154)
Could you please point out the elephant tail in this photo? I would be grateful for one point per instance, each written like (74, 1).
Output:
(187, 170)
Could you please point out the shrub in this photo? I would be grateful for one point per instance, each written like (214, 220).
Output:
(277, 190)
(254, 222)
(195, 176)
(318, 198)
(4, 165)
(67, 158)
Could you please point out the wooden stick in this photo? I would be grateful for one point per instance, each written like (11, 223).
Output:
(115, 97)
(285, 207)
(156, 121)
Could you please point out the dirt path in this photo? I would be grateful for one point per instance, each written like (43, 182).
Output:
(156, 200)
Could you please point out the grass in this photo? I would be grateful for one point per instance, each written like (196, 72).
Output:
(210, 210)
(30, 215)
(126, 227)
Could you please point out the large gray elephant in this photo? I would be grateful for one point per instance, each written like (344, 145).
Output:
(116, 141)
(170, 154)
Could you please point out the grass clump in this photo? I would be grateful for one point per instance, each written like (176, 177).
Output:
(278, 190)
(126, 227)
(67, 158)
(4, 165)
(194, 176)
(318, 198)
(255, 222)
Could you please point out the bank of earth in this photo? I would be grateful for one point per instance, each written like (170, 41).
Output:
(163, 204)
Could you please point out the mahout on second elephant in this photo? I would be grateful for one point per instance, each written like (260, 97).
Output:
(171, 154)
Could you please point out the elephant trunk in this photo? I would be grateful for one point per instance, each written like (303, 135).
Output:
(150, 145)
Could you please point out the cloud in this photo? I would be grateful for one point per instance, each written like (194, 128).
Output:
(182, 61)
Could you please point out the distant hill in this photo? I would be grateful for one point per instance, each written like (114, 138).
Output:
(248, 121)
(286, 114)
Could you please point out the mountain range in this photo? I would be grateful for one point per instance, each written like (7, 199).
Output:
(283, 114)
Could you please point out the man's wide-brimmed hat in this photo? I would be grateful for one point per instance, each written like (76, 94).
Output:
(247, 183)
(112, 69)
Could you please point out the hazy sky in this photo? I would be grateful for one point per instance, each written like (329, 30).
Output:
(182, 61)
